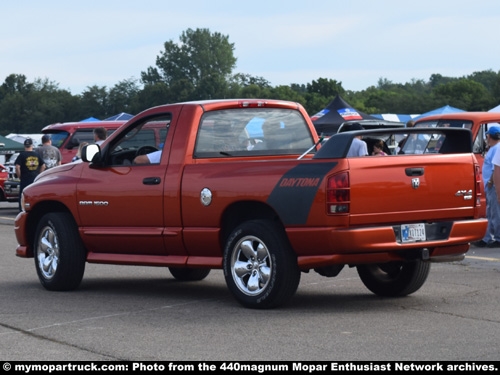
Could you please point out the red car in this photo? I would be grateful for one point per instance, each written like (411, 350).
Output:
(4, 175)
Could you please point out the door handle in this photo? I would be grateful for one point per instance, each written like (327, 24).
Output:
(414, 171)
(151, 181)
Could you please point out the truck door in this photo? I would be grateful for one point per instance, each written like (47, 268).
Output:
(120, 202)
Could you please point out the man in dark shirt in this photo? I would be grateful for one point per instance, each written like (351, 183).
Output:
(29, 164)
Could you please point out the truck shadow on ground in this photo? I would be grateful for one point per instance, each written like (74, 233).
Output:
(170, 290)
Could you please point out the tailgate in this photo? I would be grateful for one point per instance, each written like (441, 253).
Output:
(406, 189)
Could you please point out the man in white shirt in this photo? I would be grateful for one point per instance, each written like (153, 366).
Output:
(151, 158)
(492, 235)
(100, 135)
(358, 146)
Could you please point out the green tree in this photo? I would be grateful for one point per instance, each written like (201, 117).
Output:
(315, 102)
(254, 91)
(94, 102)
(27, 107)
(287, 93)
(123, 95)
(488, 78)
(247, 86)
(151, 95)
(328, 88)
(464, 94)
(15, 83)
(201, 59)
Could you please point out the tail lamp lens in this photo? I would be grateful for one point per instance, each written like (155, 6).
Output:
(338, 194)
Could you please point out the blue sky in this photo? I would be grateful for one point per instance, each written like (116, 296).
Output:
(84, 43)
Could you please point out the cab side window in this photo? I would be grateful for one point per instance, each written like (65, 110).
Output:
(142, 138)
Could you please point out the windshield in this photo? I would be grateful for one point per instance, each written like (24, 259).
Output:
(58, 138)
(464, 124)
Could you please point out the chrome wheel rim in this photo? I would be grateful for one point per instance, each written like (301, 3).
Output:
(48, 253)
(251, 265)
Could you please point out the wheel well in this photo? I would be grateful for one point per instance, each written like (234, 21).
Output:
(36, 214)
(240, 212)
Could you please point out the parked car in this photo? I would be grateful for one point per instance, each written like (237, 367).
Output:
(10, 186)
(4, 175)
(67, 136)
(11, 190)
(477, 122)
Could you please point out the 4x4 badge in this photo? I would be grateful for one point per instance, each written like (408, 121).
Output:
(415, 183)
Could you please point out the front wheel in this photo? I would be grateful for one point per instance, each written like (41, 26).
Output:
(260, 267)
(59, 253)
(394, 279)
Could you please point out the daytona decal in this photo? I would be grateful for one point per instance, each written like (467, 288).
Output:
(293, 195)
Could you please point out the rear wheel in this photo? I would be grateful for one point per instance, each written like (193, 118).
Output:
(189, 274)
(59, 253)
(260, 267)
(394, 279)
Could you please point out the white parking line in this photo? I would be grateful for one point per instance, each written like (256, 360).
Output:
(483, 258)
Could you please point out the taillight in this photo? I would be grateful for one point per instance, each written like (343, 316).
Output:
(338, 194)
(479, 184)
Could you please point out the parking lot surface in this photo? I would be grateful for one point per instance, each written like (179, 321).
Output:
(143, 314)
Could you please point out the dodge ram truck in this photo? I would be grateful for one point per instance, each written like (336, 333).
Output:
(477, 122)
(247, 186)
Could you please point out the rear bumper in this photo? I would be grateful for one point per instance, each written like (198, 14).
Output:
(381, 244)
(11, 190)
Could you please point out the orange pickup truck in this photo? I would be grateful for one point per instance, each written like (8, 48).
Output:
(477, 122)
(246, 186)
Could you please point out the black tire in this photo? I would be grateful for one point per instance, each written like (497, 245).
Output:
(395, 279)
(59, 252)
(189, 274)
(260, 267)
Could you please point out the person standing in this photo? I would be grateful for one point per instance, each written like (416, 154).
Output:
(28, 164)
(49, 153)
(492, 235)
(358, 146)
(100, 135)
(78, 155)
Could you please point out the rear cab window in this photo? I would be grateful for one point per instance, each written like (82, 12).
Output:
(252, 131)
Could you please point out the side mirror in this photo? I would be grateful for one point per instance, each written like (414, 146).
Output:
(89, 152)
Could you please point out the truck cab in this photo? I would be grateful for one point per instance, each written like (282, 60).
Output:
(477, 122)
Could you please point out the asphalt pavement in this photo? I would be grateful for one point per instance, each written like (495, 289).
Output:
(129, 313)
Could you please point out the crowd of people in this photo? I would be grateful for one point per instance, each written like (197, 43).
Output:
(33, 161)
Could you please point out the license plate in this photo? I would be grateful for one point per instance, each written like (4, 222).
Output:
(412, 232)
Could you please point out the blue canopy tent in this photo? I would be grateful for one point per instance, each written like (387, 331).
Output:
(90, 119)
(439, 111)
(120, 117)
